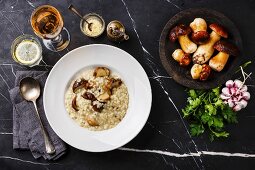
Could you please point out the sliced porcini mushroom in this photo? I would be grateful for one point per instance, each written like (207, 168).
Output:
(206, 71)
(199, 28)
(181, 33)
(92, 121)
(81, 83)
(112, 83)
(205, 51)
(105, 96)
(97, 105)
(115, 82)
(225, 49)
(88, 96)
(183, 58)
(101, 72)
(74, 104)
(195, 71)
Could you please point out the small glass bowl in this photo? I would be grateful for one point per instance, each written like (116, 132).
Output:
(87, 17)
(20, 39)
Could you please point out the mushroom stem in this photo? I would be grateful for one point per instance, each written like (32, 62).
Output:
(218, 62)
(205, 51)
(186, 44)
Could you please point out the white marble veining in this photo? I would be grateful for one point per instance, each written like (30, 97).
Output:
(196, 154)
(175, 5)
(26, 161)
(6, 133)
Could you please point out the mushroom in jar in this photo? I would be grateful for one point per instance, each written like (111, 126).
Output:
(225, 49)
(181, 33)
(205, 51)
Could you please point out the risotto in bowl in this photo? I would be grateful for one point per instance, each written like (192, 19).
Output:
(97, 98)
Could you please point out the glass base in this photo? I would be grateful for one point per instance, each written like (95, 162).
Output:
(59, 43)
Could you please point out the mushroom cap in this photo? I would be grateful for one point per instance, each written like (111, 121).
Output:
(179, 30)
(226, 47)
(198, 24)
(200, 37)
(219, 29)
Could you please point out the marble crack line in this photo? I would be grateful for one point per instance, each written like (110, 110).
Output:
(161, 133)
(30, 3)
(170, 99)
(134, 27)
(160, 77)
(6, 133)
(5, 82)
(5, 73)
(13, 72)
(5, 97)
(10, 20)
(169, 1)
(26, 161)
(197, 154)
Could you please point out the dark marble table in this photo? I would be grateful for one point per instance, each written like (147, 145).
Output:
(164, 141)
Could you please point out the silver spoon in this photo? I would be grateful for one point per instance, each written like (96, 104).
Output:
(71, 8)
(30, 91)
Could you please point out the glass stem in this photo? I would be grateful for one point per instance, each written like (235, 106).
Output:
(57, 39)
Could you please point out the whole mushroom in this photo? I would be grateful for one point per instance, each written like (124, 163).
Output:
(195, 71)
(201, 72)
(181, 33)
(199, 28)
(225, 49)
(205, 51)
(180, 56)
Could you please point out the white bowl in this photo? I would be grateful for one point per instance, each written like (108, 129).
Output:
(131, 73)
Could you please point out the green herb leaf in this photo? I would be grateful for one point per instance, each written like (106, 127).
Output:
(206, 110)
(196, 129)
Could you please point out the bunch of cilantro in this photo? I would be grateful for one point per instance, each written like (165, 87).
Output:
(206, 110)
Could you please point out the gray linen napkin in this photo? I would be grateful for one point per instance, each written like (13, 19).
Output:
(26, 129)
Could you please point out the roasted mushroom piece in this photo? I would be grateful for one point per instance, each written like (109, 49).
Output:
(199, 28)
(183, 58)
(89, 96)
(101, 72)
(91, 121)
(113, 83)
(96, 104)
(225, 49)
(81, 83)
(74, 104)
(105, 96)
(205, 51)
(181, 33)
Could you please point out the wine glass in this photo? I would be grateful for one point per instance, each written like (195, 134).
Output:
(47, 23)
